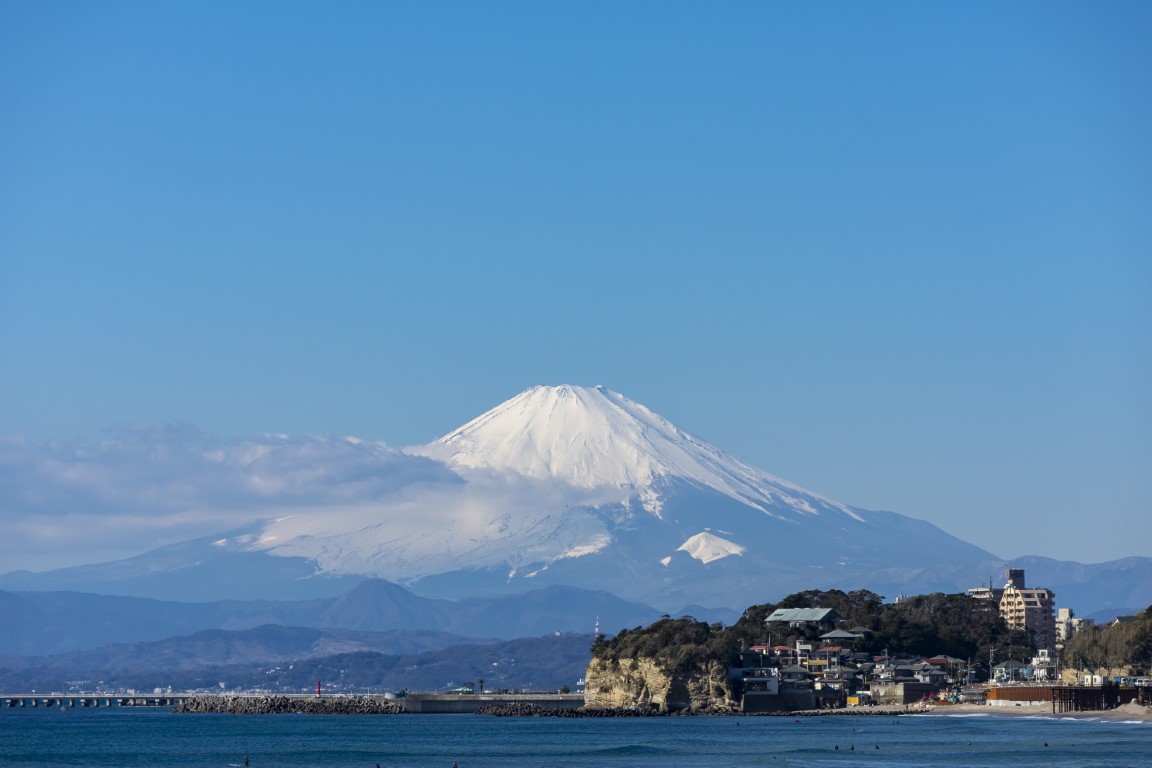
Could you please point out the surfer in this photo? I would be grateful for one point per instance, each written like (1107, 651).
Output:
(245, 761)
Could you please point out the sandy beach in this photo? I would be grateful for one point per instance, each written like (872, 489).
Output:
(1132, 711)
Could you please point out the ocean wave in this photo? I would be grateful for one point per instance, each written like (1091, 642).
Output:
(630, 749)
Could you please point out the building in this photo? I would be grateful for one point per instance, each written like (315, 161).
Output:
(762, 686)
(1067, 624)
(799, 617)
(1031, 610)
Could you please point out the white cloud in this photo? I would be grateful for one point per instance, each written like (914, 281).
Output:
(147, 485)
(436, 528)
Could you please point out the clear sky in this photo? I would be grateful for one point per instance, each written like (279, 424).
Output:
(899, 253)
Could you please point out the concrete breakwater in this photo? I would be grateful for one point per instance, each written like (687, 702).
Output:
(379, 705)
(520, 709)
(531, 710)
(415, 703)
(456, 704)
(310, 705)
(881, 710)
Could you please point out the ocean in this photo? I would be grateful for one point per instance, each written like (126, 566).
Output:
(159, 738)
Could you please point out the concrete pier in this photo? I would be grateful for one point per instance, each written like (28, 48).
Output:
(434, 703)
(66, 700)
(424, 703)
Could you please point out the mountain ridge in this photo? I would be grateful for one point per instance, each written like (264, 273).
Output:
(557, 486)
(46, 622)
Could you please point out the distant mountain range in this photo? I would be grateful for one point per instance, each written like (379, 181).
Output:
(377, 635)
(50, 623)
(558, 487)
(294, 659)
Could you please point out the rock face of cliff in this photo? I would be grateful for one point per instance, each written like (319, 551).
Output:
(643, 683)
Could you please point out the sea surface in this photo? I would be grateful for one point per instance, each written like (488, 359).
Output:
(159, 738)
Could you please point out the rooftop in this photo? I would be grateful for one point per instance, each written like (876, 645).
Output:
(814, 615)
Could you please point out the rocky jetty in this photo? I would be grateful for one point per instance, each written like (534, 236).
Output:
(306, 705)
(520, 709)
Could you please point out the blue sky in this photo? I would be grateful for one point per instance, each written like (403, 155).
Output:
(898, 253)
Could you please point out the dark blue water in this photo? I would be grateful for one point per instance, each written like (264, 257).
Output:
(155, 738)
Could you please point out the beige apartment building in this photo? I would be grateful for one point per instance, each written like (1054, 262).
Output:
(1029, 609)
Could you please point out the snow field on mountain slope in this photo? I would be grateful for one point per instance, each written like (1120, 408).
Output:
(707, 547)
(594, 437)
(477, 525)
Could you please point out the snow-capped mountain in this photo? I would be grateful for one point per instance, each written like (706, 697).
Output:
(583, 486)
(558, 486)
(595, 438)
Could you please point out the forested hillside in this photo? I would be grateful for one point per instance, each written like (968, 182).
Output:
(1124, 647)
(925, 625)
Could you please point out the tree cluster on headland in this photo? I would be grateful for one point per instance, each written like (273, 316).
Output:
(1118, 648)
(938, 624)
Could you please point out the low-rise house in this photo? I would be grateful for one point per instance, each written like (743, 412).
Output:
(816, 665)
(841, 680)
(1043, 666)
(929, 673)
(1009, 671)
(784, 652)
(794, 673)
(830, 653)
(755, 680)
(840, 634)
(828, 697)
(799, 617)
(765, 688)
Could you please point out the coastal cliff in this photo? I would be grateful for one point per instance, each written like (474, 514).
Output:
(644, 683)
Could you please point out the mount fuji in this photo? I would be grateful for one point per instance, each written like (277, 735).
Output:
(560, 485)
(582, 486)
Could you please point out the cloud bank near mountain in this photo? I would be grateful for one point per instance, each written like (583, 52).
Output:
(143, 485)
